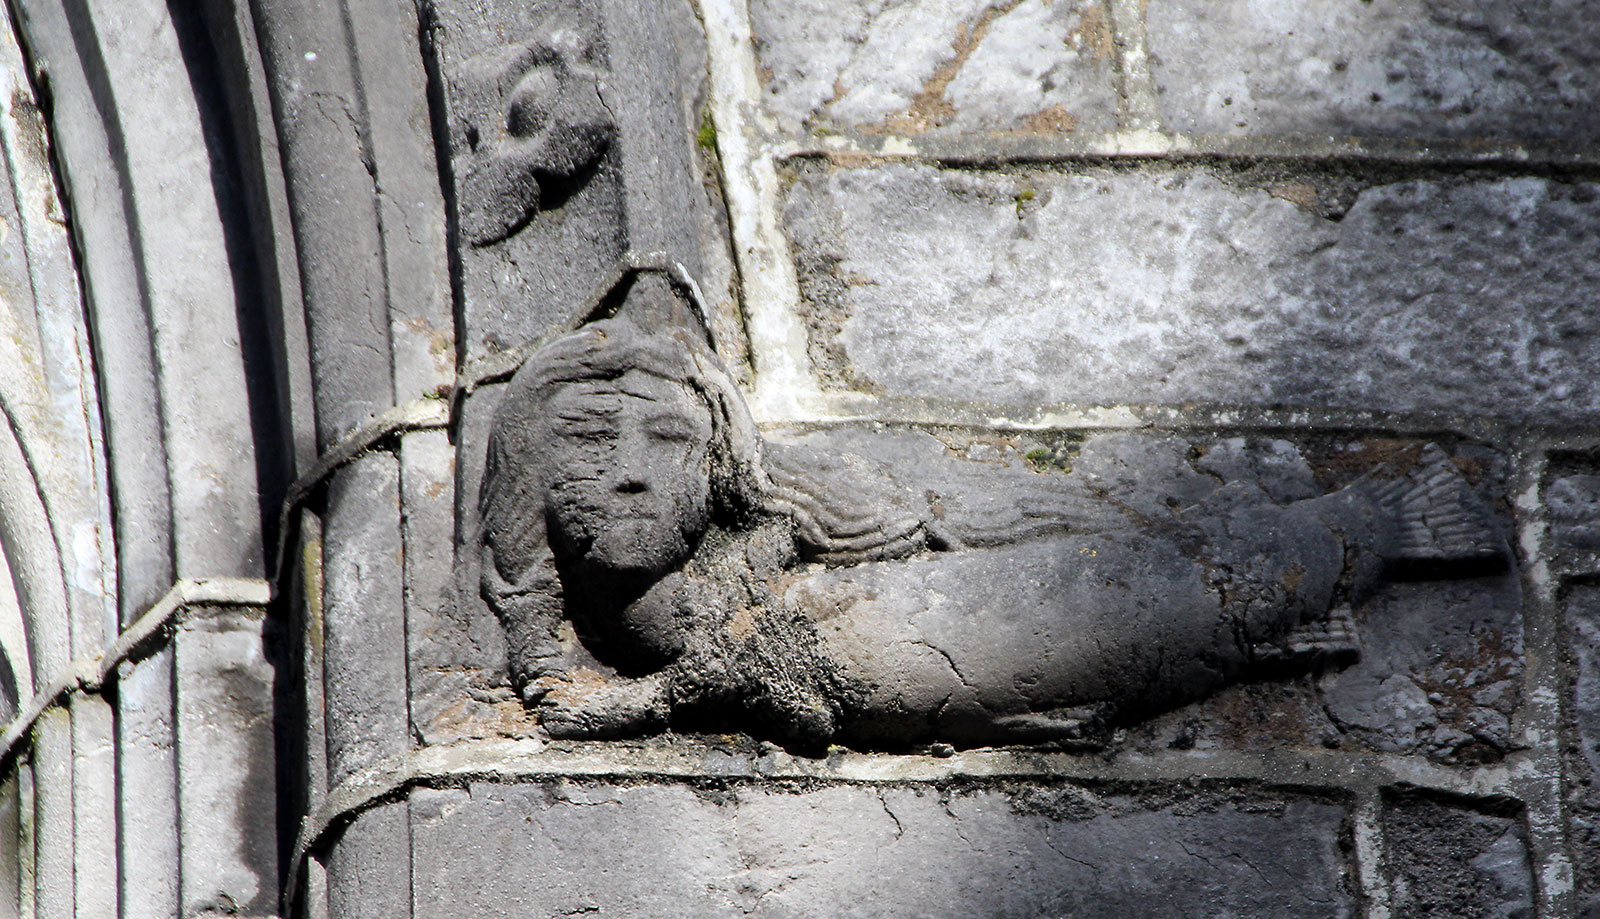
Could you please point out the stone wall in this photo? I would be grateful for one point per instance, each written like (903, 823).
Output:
(1069, 261)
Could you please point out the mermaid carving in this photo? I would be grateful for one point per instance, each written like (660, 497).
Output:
(656, 563)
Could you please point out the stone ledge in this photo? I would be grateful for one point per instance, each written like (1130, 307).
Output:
(995, 149)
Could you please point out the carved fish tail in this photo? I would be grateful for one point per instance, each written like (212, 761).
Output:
(1441, 526)
(1323, 644)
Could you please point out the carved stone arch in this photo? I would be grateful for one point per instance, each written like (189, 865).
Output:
(55, 531)
(148, 381)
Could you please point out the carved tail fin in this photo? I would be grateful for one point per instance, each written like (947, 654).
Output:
(1441, 526)
(1331, 643)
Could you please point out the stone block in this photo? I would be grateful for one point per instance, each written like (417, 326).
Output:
(1028, 67)
(456, 652)
(147, 771)
(1440, 673)
(1445, 861)
(545, 212)
(1412, 68)
(368, 866)
(1574, 505)
(1184, 285)
(857, 851)
(1582, 606)
(1571, 493)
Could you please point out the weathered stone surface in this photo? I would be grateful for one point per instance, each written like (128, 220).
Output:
(226, 775)
(363, 604)
(849, 851)
(510, 289)
(1413, 68)
(550, 106)
(12, 827)
(1440, 664)
(1448, 861)
(1571, 493)
(1463, 297)
(1582, 606)
(1440, 672)
(147, 771)
(456, 652)
(655, 561)
(958, 65)
(368, 866)
(460, 686)
(1574, 505)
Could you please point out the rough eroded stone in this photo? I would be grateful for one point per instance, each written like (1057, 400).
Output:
(1571, 496)
(1583, 763)
(1415, 68)
(1468, 297)
(1440, 664)
(656, 562)
(1440, 672)
(1447, 862)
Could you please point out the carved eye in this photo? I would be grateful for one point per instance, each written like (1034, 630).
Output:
(531, 102)
(586, 430)
(671, 428)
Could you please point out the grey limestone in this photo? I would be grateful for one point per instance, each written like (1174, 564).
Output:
(547, 107)
(369, 866)
(320, 78)
(227, 780)
(1571, 501)
(1409, 68)
(363, 603)
(1440, 675)
(398, 150)
(858, 851)
(51, 767)
(1440, 668)
(1449, 861)
(187, 287)
(969, 66)
(13, 824)
(1464, 297)
(93, 788)
(103, 231)
(148, 772)
(1582, 608)
(656, 561)
(455, 649)
(1215, 656)
(427, 491)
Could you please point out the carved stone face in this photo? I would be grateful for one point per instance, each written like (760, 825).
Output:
(626, 479)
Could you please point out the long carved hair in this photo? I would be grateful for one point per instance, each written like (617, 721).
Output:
(748, 480)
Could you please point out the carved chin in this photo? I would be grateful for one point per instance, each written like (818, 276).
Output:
(637, 547)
